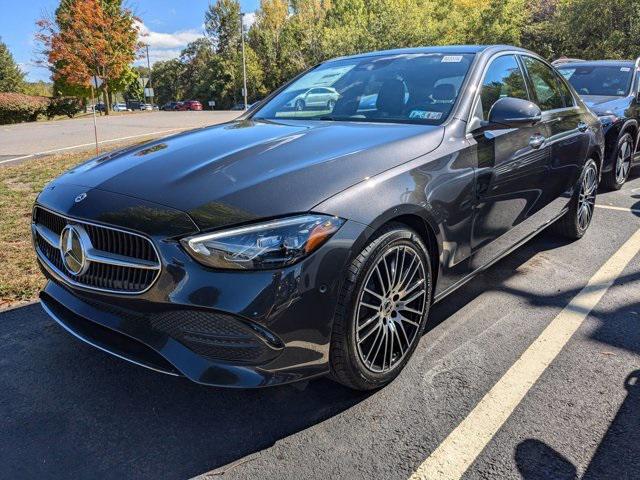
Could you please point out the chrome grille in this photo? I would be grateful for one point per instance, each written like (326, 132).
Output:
(119, 261)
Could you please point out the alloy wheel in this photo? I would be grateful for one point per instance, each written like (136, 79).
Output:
(390, 308)
(623, 161)
(587, 197)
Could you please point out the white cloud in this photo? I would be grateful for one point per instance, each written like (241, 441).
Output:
(178, 39)
(248, 20)
(165, 46)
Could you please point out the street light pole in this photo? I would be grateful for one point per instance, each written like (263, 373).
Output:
(244, 61)
(149, 67)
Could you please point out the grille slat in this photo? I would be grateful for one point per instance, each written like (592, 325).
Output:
(101, 276)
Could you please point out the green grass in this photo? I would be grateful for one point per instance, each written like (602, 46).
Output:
(20, 277)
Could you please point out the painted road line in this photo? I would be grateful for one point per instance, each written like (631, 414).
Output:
(621, 209)
(458, 451)
(56, 150)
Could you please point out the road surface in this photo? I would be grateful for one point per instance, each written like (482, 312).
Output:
(26, 140)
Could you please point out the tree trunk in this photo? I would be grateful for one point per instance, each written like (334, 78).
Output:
(110, 97)
(105, 100)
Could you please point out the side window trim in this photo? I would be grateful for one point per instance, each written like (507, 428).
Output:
(478, 89)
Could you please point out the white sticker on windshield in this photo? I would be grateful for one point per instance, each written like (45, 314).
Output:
(425, 115)
(625, 69)
(452, 58)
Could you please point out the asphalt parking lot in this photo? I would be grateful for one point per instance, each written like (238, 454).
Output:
(25, 140)
(70, 411)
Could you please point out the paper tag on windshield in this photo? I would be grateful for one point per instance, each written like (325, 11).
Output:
(451, 58)
(425, 115)
(625, 69)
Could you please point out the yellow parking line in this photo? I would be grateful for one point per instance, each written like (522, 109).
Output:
(463, 445)
(621, 209)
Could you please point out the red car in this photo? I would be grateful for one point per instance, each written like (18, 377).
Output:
(189, 105)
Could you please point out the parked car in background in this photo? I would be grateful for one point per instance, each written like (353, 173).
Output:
(119, 107)
(100, 107)
(148, 107)
(315, 98)
(189, 105)
(238, 107)
(170, 106)
(611, 89)
(135, 105)
(280, 248)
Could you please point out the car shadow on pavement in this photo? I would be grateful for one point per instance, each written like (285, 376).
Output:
(617, 456)
(70, 411)
(618, 453)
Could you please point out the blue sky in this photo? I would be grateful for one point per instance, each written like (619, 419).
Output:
(170, 25)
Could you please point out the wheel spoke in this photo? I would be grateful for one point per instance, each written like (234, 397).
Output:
(369, 321)
(414, 297)
(382, 286)
(375, 342)
(410, 322)
(371, 292)
(368, 305)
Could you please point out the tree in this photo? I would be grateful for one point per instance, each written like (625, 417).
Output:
(222, 25)
(590, 29)
(11, 77)
(91, 37)
(167, 80)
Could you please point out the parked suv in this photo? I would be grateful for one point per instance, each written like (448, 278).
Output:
(610, 88)
(280, 247)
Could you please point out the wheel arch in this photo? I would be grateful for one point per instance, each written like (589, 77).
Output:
(424, 226)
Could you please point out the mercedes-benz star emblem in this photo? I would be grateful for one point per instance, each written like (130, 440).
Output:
(72, 249)
(81, 197)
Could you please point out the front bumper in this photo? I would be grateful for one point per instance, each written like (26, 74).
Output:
(229, 329)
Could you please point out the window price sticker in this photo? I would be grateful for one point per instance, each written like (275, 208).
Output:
(451, 59)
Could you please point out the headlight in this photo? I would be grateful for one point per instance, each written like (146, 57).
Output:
(607, 120)
(262, 246)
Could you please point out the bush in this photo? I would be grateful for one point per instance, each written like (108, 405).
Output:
(17, 107)
(68, 106)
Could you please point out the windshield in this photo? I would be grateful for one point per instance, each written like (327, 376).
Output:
(599, 80)
(400, 88)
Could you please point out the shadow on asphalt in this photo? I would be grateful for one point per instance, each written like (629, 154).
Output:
(617, 457)
(618, 454)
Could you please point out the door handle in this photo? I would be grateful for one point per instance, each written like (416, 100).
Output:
(582, 126)
(536, 141)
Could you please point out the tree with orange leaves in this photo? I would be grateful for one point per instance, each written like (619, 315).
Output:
(90, 38)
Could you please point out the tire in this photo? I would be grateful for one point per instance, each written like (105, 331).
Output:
(356, 356)
(299, 105)
(623, 159)
(575, 222)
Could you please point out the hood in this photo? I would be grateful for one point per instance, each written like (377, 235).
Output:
(604, 104)
(245, 170)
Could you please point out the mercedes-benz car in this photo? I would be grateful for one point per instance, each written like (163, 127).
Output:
(610, 88)
(276, 248)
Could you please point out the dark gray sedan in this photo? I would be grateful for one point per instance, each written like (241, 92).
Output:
(293, 243)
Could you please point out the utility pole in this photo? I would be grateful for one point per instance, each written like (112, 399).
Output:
(149, 67)
(244, 61)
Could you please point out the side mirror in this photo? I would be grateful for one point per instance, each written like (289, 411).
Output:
(509, 112)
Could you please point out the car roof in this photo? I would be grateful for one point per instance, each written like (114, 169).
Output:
(445, 49)
(598, 63)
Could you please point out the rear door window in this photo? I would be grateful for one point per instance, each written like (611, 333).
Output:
(548, 89)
